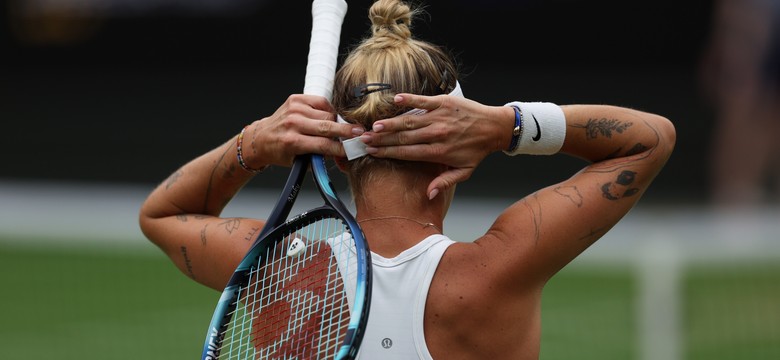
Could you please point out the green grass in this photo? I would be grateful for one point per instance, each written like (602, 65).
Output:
(92, 305)
(589, 314)
(733, 313)
(70, 303)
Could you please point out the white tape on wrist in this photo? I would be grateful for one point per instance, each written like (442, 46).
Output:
(544, 128)
(356, 148)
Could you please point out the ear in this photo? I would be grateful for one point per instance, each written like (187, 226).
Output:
(342, 163)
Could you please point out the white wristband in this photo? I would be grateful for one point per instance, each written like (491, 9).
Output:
(544, 128)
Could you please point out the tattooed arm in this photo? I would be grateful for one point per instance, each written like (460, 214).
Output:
(625, 149)
(181, 215)
(543, 232)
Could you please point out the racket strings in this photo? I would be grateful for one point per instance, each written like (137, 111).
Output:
(296, 306)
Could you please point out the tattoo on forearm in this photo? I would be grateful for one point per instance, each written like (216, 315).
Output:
(571, 193)
(620, 188)
(604, 127)
(252, 234)
(231, 224)
(211, 180)
(638, 152)
(203, 234)
(173, 179)
(187, 262)
(252, 143)
(182, 217)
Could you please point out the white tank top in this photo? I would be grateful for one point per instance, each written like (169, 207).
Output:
(399, 291)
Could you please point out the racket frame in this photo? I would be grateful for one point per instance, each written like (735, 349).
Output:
(276, 224)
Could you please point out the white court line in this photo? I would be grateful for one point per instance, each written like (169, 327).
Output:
(101, 214)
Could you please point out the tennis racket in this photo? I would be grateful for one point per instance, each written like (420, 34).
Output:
(303, 290)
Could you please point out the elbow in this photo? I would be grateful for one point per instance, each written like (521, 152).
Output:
(147, 222)
(667, 135)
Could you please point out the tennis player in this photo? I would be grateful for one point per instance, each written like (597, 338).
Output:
(408, 137)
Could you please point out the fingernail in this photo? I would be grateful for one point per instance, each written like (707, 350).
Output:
(433, 194)
(371, 150)
(365, 138)
(398, 98)
(358, 131)
(378, 127)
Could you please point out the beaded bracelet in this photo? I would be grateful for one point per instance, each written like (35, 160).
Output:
(517, 130)
(239, 153)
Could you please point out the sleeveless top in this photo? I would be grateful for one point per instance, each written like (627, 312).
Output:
(399, 292)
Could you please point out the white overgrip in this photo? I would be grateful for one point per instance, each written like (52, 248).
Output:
(327, 18)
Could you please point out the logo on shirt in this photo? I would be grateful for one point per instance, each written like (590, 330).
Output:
(387, 343)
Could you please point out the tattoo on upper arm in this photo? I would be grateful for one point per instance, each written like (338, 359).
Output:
(536, 213)
(604, 127)
(620, 188)
(183, 217)
(571, 193)
(231, 224)
(173, 179)
(203, 234)
(187, 262)
(252, 234)
(594, 234)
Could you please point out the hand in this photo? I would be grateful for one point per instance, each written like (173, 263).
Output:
(304, 124)
(455, 131)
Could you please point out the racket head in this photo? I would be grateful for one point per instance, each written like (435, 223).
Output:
(297, 295)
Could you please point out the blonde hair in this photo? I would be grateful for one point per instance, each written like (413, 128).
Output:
(389, 56)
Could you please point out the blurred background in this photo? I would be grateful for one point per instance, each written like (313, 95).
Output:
(102, 99)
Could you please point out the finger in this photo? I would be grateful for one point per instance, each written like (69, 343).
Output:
(408, 121)
(317, 102)
(329, 147)
(321, 123)
(410, 137)
(447, 180)
(418, 101)
(420, 152)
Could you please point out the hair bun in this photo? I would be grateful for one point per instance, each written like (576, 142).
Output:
(391, 19)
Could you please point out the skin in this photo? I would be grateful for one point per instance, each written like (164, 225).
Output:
(499, 276)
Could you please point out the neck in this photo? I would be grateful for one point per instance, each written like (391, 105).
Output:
(394, 221)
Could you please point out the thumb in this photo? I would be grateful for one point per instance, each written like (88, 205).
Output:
(448, 179)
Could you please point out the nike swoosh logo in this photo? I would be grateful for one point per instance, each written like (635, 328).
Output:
(538, 129)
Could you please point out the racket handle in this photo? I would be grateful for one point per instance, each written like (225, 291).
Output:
(327, 18)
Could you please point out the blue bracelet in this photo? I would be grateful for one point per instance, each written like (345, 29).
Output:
(518, 129)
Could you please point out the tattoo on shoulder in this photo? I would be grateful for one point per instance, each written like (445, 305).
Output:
(604, 127)
(571, 193)
(621, 187)
(173, 179)
(187, 262)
